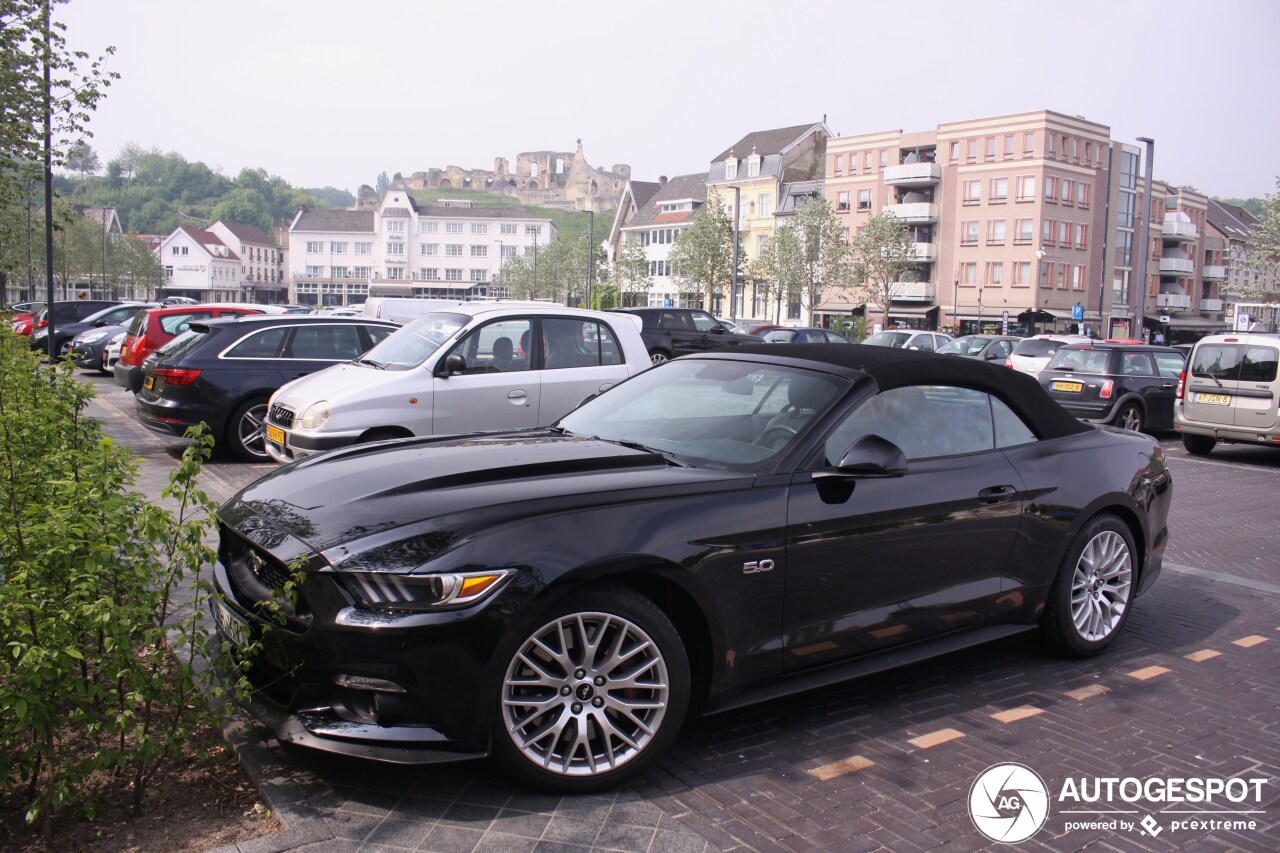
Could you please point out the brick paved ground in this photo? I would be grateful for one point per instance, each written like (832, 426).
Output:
(886, 763)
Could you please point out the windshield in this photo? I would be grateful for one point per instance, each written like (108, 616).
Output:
(888, 339)
(713, 414)
(1037, 347)
(1076, 360)
(180, 345)
(413, 344)
(964, 346)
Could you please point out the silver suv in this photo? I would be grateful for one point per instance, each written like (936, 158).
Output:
(1229, 392)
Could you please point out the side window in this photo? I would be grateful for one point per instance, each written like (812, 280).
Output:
(578, 343)
(325, 343)
(176, 324)
(264, 344)
(1001, 349)
(1137, 364)
(1259, 365)
(703, 322)
(924, 420)
(924, 342)
(1216, 360)
(1011, 431)
(503, 346)
(120, 316)
(674, 321)
(1169, 364)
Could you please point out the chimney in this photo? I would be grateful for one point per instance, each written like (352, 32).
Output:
(662, 180)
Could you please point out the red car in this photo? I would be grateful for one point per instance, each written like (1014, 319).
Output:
(151, 329)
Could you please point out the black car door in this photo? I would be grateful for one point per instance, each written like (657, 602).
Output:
(877, 562)
(1140, 376)
(315, 346)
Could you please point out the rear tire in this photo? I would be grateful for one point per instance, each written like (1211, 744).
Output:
(1198, 445)
(1129, 417)
(1093, 593)
(246, 433)
(659, 357)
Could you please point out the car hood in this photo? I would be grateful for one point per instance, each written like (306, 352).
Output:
(335, 383)
(392, 506)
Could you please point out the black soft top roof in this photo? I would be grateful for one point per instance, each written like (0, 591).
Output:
(890, 367)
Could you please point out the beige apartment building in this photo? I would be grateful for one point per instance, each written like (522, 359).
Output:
(1024, 221)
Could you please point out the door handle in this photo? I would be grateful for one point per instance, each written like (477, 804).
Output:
(996, 494)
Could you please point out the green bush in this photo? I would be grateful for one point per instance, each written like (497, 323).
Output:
(101, 610)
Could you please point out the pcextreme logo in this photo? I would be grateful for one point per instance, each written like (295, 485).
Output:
(1009, 803)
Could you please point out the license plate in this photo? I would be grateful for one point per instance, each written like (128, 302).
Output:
(149, 383)
(274, 433)
(236, 629)
(1214, 399)
(1059, 385)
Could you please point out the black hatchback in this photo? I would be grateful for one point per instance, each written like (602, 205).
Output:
(223, 372)
(1126, 385)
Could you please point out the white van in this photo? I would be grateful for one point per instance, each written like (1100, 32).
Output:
(462, 367)
(1229, 392)
(402, 310)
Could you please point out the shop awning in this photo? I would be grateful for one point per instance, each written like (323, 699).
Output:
(1197, 323)
(924, 311)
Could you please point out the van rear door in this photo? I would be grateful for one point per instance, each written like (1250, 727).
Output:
(1212, 378)
(1255, 406)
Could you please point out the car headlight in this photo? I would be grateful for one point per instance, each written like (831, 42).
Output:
(387, 591)
(315, 415)
(91, 337)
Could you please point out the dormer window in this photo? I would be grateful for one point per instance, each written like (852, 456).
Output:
(753, 164)
(730, 167)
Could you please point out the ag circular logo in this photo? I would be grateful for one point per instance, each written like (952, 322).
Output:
(1008, 803)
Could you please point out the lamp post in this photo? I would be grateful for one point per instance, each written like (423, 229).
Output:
(591, 254)
(535, 264)
(1144, 237)
(733, 286)
(494, 279)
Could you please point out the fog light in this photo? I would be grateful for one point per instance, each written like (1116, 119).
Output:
(363, 682)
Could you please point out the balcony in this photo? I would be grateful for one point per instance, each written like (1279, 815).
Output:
(914, 213)
(913, 175)
(912, 291)
(1177, 266)
(1214, 273)
(1178, 230)
(1173, 301)
(1211, 306)
(925, 253)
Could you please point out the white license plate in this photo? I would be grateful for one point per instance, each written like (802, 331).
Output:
(235, 628)
(1213, 399)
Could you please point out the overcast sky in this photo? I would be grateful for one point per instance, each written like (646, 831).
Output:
(328, 93)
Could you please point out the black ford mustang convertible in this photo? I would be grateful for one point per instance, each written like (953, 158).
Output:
(719, 530)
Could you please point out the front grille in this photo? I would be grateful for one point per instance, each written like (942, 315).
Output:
(268, 571)
(281, 416)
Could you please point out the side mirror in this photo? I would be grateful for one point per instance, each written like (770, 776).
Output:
(452, 364)
(720, 330)
(869, 456)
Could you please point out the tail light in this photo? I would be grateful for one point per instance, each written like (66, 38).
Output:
(1107, 388)
(177, 376)
(1008, 362)
(1182, 383)
(41, 324)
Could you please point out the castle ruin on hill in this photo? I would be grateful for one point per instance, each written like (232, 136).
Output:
(541, 178)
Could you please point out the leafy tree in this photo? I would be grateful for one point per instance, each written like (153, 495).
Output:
(382, 183)
(128, 160)
(331, 196)
(630, 273)
(879, 258)
(778, 268)
(246, 206)
(83, 159)
(1262, 252)
(824, 254)
(702, 256)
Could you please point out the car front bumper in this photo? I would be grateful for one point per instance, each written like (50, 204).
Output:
(297, 445)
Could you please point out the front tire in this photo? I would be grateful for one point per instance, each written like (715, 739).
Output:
(1093, 593)
(1198, 445)
(659, 357)
(247, 432)
(595, 695)
(1129, 417)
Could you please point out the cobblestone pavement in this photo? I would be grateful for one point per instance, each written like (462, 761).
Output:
(1192, 689)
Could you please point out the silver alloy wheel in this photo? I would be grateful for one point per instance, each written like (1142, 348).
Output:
(585, 694)
(1131, 418)
(658, 358)
(1100, 586)
(251, 430)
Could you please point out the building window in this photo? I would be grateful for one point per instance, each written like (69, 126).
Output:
(1026, 188)
(395, 272)
(532, 230)
(884, 158)
(312, 271)
(453, 250)
(430, 249)
(340, 272)
(338, 248)
(730, 169)
(1124, 248)
(864, 199)
(479, 275)
(1082, 236)
(362, 272)
(1029, 143)
(453, 228)
(991, 148)
(1125, 214)
(842, 200)
(428, 227)
(507, 228)
(1067, 193)
(837, 164)
(969, 233)
(1082, 194)
(313, 248)
(479, 228)
(395, 248)
(659, 269)
(508, 251)
(1046, 232)
(999, 190)
(1022, 274)
(1053, 144)
(1088, 152)
(1008, 145)
(866, 161)
(1075, 148)
(995, 231)
(479, 251)
(1128, 170)
(955, 151)
(995, 273)
(429, 273)
(1064, 233)
(1061, 276)
(453, 275)
(1046, 275)
(1050, 187)
(969, 274)
(764, 204)
(364, 248)
(972, 150)
(1023, 231)
(753, 166)
(972, 192)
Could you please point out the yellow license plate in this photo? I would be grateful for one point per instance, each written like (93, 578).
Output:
(1214, 399)
(274, 433)
(1059, 385)
(149, 383)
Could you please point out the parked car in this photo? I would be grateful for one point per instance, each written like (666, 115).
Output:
(298, 309)
(67, 332)
(88, 346)
(759, 329)
(1230, 392)
(149, 329)
(24, 308)
(111, 353)
(561, 597)
(804, 335)
(1131, 386)
(64, 314)
(342, 311)
(223, 372)
(470, 366)
(179, 300)
(23, 322)
(908, 339)
(672, 332)
(985, 347)
(1032, 355)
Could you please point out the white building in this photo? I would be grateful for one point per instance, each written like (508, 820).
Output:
(652, 216)
(262, 262)
(447, 252)
(229, 262)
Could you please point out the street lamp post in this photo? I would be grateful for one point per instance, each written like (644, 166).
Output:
(1144, 236)
(591, 255)
(535, 265)
(495, 278)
